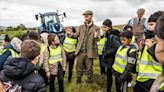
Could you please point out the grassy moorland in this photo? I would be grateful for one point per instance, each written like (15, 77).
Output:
(99, 81)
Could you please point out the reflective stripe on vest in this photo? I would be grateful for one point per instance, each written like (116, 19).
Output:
(161, 87)
(13, 53)
(55, 55)
(148, 67)
(100, 45)
(121, 59)
(1, 52)
(69, 44)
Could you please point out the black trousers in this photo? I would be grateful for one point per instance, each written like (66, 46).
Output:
(102, 69)
(109, 80)
(60, 80)
(70, 60)
(118, 84)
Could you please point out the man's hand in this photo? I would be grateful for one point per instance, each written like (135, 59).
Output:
(48, 75)
(149, 42)
(95, 34)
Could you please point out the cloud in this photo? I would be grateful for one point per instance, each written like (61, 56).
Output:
(14, 12)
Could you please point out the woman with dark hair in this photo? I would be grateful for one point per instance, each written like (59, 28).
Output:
(110, 48)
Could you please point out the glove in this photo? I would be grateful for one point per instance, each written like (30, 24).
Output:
(122, 79)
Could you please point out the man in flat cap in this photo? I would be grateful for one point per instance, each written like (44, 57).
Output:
(86, 50)
(88, 12)
(139, 24)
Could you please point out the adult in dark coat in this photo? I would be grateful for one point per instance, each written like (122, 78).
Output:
(111, 46)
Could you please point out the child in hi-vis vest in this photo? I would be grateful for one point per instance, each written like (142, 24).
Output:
(55, 62)
(69, 45)
(125, 60)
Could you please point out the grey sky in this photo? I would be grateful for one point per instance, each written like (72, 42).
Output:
(14, 12)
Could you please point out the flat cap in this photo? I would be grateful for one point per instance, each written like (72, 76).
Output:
(141, 11)
(88, 12)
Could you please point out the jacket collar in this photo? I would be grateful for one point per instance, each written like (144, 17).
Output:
(90, 24)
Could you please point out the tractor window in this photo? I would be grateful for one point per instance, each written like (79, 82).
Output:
(51, 18)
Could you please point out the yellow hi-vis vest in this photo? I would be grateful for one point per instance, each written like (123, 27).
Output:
(133, 39)
(1, 52)
(69, 44)
(121, 59)
(148, 67)
(161, 87)
(101, 44)
(13, 53)
(55, 55)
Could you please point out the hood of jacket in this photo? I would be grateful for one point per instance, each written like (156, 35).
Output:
(17, 68)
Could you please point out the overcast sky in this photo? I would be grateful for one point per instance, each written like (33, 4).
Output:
(14, 12)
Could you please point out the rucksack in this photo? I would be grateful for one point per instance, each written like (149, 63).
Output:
(12, 87)
(16, 86)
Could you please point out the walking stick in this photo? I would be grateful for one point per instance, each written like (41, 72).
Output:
(124, 86)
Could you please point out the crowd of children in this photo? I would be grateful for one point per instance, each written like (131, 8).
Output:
(121, 54)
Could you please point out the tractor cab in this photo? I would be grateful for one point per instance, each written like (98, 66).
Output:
(50, 22)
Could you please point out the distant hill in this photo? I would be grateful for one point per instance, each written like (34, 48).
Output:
(119, 27)
(2, 27)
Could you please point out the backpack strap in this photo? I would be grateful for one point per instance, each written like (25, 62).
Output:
(142, 52)
(111, 39)
(48, 50)
(131, 47)
(128, 52)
